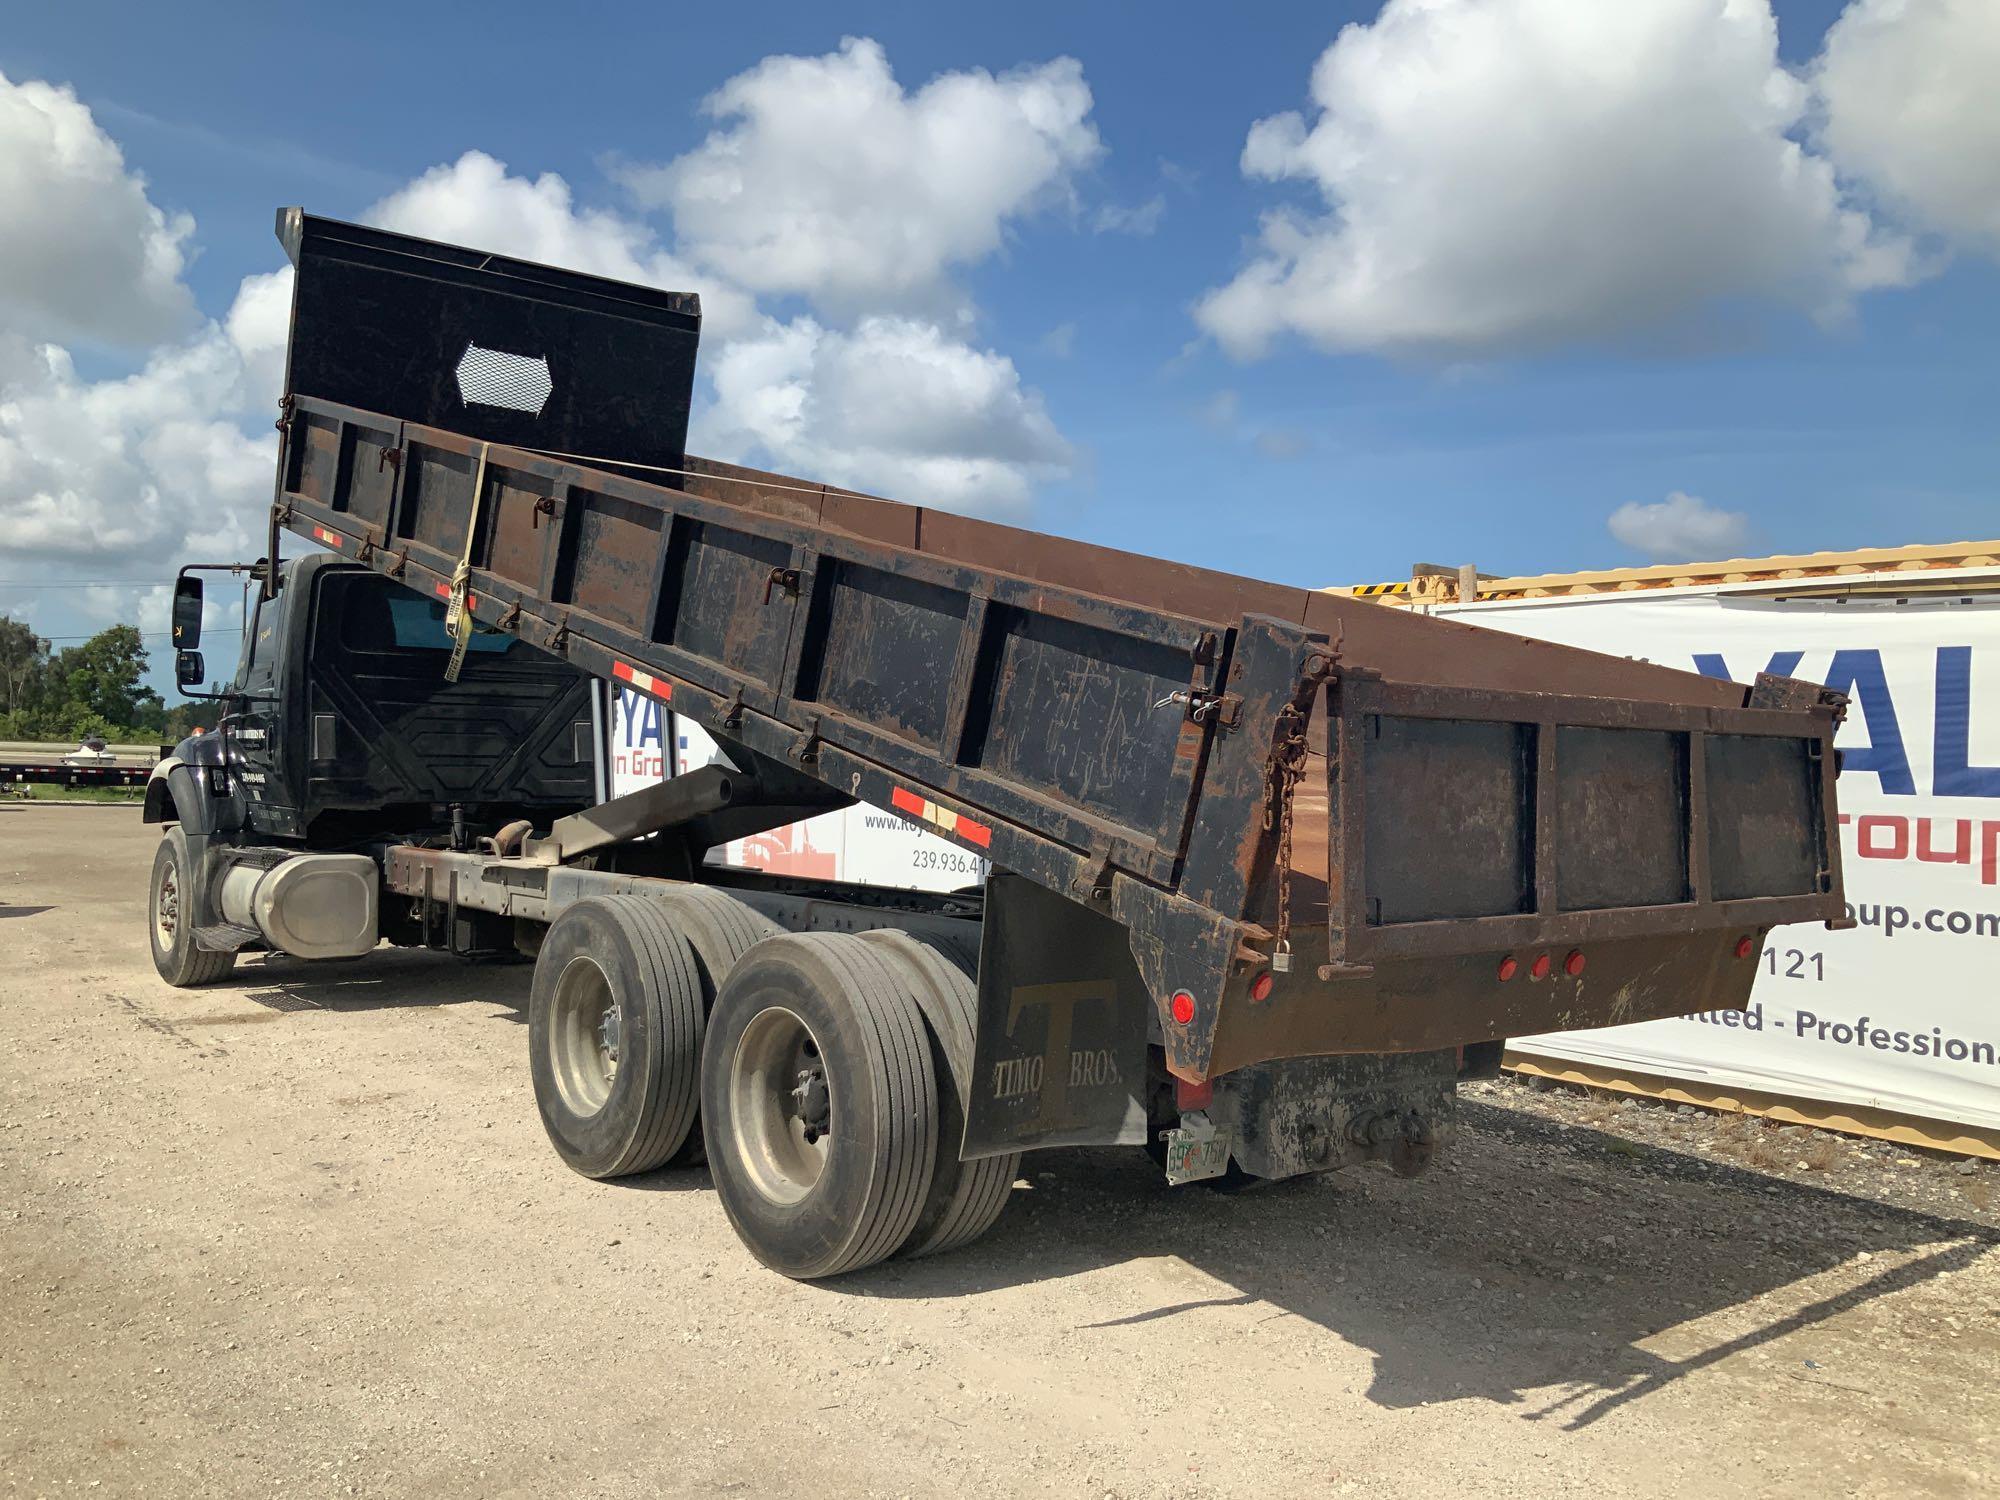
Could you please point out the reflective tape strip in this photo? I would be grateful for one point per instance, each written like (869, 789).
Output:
(331, 538)
(645, 682)
(941, 818)
(444, 592)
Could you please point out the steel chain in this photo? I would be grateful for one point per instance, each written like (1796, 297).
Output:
(1289, 754)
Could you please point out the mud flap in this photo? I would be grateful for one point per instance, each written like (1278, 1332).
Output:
(1059, 1048)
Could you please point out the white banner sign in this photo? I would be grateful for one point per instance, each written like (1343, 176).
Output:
(861, 844)
(1903, 1011)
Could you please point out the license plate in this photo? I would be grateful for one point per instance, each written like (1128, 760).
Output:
(1190, 1158)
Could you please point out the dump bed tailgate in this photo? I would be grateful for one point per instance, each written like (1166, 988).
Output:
(1460, 820)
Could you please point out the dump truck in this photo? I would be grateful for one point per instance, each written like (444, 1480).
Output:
(1272, 869)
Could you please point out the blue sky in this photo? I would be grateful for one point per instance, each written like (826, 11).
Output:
(1337, 461)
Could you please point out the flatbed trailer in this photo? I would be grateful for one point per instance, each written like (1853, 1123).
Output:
(55, 773)
(1272, 866)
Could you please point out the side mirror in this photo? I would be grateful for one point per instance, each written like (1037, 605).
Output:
(187, 621)
(189, 668)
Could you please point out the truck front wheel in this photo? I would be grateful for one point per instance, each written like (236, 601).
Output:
(614, 1036)
(819, 1104)
(170, 915)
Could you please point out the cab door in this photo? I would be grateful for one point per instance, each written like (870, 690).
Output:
(252, 727)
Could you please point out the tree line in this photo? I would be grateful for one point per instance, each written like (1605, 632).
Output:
(95, 689)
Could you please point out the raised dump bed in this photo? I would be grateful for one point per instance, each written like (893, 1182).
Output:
(1235, 822)
(1109, 726)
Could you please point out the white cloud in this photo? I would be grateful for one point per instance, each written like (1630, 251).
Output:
(895, 406)
(1220, 411)
(1140, 219)
(895, 403)
(1507, 174)
(826, 179)
(1681, 528)
(151, 467)
(1060, 341)
(1282, 443)
(84, 254)
(259, 327)
(475, 201)
(1910, 91)
(145, 467)
(150, 606)
(173, 461)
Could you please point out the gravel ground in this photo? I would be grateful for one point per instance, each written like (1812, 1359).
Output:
(1699, 1140)
(299, 1233)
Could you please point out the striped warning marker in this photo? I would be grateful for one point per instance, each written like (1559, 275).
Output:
(471, 599)
(331, 538)
(645, 682)
(941, 818)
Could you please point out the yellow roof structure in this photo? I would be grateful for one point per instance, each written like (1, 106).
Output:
(1431, 585)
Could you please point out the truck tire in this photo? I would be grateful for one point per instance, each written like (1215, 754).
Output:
(720, 929)
(615, 1026)
(820, 1097)
(966, 1197)
(178, 960)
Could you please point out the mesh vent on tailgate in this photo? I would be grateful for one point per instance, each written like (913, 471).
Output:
(492, 377)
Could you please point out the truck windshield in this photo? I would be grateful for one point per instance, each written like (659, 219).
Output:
(408, 623)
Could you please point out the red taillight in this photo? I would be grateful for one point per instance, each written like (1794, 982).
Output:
(1183, 1007)
(1189, 1096)
(1573, 965)
(1745, 947)
(1508, 968)
(1260, 991)
(1539, 969)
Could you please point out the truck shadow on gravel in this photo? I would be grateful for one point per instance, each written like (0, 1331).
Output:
(393, 979)
(1527, 1271)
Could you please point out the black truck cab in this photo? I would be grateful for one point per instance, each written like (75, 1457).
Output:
(340, 733)
(340, 727)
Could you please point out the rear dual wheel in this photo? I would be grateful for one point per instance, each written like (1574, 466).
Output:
(834, 1115)
(820, 1098)
(720, 929)
(825, 1069)
(966, 1197)
(615, 1022)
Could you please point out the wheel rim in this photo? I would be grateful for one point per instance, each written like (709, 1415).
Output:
(780, 1106)
(167, 907)
(585, 1036)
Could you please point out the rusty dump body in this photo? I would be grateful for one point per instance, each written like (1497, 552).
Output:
(1322, 825)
